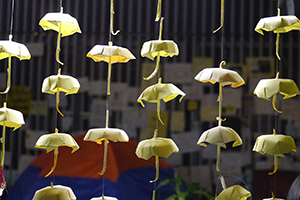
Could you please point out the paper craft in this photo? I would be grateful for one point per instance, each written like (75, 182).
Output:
(57, 192)
(160, 91)
(273, 197)
(158, 147)
(278, 24)
(274, 145)
(158, 48)
(104, 198)
(105, 134)
(222, 17)
(54, 140)
(62, 23)
(60, 83)
(267, 88)
(235, 192)
(9, 48)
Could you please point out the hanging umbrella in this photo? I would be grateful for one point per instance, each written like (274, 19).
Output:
(278, 24)
(62, 23)
(54, 140)
(60, 83)
(273, 197)
(99, 135)
(219, 136)
(267, 88)
(9, 48)
(158, 48)
(160, 91)
(104, 198)
(158, 147)
(57, 192)
(274, 145)
(235, 192)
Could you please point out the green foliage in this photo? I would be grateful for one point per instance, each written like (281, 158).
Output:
(190, 192)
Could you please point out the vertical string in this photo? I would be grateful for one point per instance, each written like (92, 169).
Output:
(12, 16)
(60, 4)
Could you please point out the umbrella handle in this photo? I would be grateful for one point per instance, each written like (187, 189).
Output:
(153, 195)
(274, 103)
(218, 165)
(8, 76)
(57, 102)
(55, 161)
(158, 112)
(58, 45)
(158, 13)
(3, 147)
(277, 46)
(275, 165)
(222, 16)
(112, 19)
(155, 70)
(105, 157)
(157, 169)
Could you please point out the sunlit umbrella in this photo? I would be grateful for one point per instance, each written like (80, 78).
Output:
(158, 92)
(274, 145)
(105, 134)
(267, 88)
(158, 48)
(9, 48)
(61, 22)
(60, 83)
(54, 140)
(278, 24)
(57, 192)
(158, 147)
(235, 192)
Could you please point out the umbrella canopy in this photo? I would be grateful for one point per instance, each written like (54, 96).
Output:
(11, 48)
(220, 135)
(104, 198)
(126, 177)
(57, 192)
(164, 48)
(58, 20)
(223, 76)
(160, 91)
(235, 192)
(112, 134)
(11, 118)
(267, 88)
(110, 53)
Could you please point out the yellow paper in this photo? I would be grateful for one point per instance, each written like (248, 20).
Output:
(235, 192)
(164, 48)
(162, 147)
(104, 198)
(57, 192)
(223, 76)
(274, 145)
(69, 24)
(11, 118)
(112, 134)
(220, 135)
(8, 47)
(107, 53)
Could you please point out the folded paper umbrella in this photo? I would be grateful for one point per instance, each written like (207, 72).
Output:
(54, 140)
(9, 48)
(60, 83)
(104, 198)
(105, 134)
(274, 145)
(273, 197)
(278, 24)
(110, 54)
(160, 91)
(158, 147)
(267, 88)
(158, 48)
(62, 23)
(235, 192)
(57, 192)
(220, 135)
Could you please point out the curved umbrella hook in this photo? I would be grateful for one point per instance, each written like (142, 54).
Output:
(275, 97)
(8, 85)
(57, 96)
(105, 157)
(222, 16)
(58, 41)
(158, 13)
(112, 18)
(157, 169)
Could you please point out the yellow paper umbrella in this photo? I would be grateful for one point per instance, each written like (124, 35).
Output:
(158, 48)
(278, 24)
(274, 145)
(57, 192)
(235, 192)
(273, 197)
(9, 118)
(105, 134)
(104, 198)
(267, 88)
(60, 83)
(219, 136)
(54, 140)
(61, 22)
(160, 91)
(9, 48)
(158, 147)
